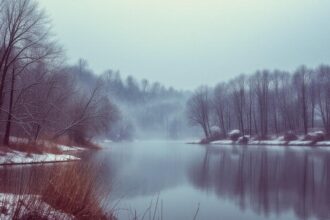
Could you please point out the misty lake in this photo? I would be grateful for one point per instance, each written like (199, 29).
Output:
(217, 182)
(225, 182)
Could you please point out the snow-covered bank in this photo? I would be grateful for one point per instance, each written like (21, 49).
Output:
(14, 206)
(276, 142)
(65, 148)
(16, 157)
(316, 138)
(23, 152)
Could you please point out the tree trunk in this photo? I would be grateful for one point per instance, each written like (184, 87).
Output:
(9, 119)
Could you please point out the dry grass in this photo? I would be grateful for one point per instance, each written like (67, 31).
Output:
(45, 145)
(35, 147)
(66, 140)
(73, 190)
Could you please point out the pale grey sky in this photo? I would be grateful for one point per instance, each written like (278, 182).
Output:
(185, 43)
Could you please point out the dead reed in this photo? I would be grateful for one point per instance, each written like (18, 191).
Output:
(59, 192)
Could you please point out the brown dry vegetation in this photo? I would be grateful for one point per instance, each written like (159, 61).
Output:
(75, 191)
(46, 146)
(72, 190)
(35, 148)
(67, 141)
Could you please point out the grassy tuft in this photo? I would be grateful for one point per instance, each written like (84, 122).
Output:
(56, 192)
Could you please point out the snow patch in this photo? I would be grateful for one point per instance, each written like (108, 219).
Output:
(269, 142)
(70, 148)
(234, 132)
(10, 202)
(16, 157)
(222, 142)
(323, 143)
(300, 143)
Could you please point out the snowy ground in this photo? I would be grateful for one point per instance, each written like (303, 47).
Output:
(24, 204)
(12, 157)
(278, 141)
(65, 148)
(311, 139)
(323, 143)
(16, 157)
(222, 142)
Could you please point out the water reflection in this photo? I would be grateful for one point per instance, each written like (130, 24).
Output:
(266, 180)
(229, 182)
(140, 170)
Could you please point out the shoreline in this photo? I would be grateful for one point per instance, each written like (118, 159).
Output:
(63, 153)
(267, 143)
(10, 157)
(39, 162)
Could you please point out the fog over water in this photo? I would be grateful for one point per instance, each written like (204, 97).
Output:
(226, 182)
(176, 109)
(190, 42)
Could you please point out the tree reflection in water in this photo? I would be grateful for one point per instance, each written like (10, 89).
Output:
(267, 180)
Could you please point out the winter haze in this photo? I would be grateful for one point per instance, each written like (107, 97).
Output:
(192, 41)
(165, 109)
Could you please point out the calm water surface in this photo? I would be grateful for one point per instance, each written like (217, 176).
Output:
(221, 182)
(225, 182)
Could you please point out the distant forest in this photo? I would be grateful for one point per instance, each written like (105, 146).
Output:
(147, 110)
(265, 104)
(44, 98)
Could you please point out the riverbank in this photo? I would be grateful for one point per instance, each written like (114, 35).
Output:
(276, 141)
(22, 152)
(71, 191)
(23, 158)
(273, 143)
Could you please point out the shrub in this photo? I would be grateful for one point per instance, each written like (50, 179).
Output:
(31, 147)
(290, 136)
(55, 192)
(234, 135)
(243, 139)
(204, 141)
(315, 136)
(75, 190)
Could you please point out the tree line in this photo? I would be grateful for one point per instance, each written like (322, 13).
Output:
(40, 96)
(147, 109)
(150, 109)
(131, 91)
(265, 103)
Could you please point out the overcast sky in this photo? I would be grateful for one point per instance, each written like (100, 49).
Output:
(186, 43)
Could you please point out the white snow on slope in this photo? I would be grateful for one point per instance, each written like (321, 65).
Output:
(16, 157)
(222, 142)
(268, 142)
(323, 143)
(276, 142)
(234, 132)
(69, 148)
(300, 143)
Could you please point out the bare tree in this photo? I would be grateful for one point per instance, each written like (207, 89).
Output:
(323, 96)
(301, 80)
(238, 87)
(261, 80)
(88, 115)
(312, 97)
(198, 109)
(270, 102)
(220, 104)
(25, 40)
